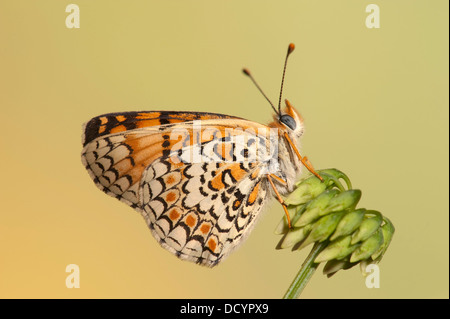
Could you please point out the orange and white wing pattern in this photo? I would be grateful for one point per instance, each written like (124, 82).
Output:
(200, 190)
(201, 211)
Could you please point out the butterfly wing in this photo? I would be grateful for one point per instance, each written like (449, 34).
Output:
(200, 211)
(106, 124)
(197, 208)
(119, 146)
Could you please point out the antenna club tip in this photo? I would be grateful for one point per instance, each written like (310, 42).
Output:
(291, 48)
(246, 71)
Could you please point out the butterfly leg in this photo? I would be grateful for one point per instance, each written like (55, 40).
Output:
(269, 177)
(279, 179)
(304, 160)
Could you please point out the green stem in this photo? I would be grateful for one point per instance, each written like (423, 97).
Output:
(304, 275)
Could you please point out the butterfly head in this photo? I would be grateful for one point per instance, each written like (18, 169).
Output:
(290, 121)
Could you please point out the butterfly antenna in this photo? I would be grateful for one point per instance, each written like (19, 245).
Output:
(291, 48)
(247, 73)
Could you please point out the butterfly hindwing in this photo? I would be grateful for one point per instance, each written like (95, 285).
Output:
(207, 209)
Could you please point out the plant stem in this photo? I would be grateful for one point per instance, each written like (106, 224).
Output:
(304, 275)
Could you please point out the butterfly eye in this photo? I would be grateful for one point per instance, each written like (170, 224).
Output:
(288, 121)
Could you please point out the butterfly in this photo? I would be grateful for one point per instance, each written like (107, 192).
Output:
(200, 180)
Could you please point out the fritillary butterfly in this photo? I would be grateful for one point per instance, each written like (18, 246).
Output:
(200, 180)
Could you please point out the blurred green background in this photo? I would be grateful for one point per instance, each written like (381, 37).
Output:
(375, 104)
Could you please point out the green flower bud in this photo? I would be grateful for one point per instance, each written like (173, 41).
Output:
(315, 207)
(301, 209)
(368, 226)
(388, 231)
(333, 266)
(345, 200)
(337, 249)
(349, 223)
(294, 236)
(305, 191)
(368, 247)
(322, 229)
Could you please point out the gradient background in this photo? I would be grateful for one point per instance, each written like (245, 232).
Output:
(375, 103)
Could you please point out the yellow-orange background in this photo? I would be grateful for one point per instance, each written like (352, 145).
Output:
(375, 103)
